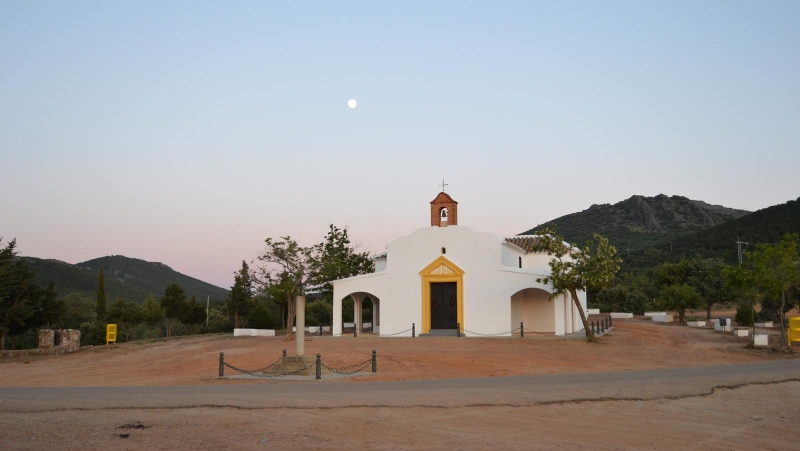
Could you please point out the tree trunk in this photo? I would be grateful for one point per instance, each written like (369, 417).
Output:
(589, 334)
(753, 324)
(2, 341)
(708, 311)
(682, 314)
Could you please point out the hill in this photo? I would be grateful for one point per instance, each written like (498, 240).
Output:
(767, 225)
(642, 222)
(125, 278)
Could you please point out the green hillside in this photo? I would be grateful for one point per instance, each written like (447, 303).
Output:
(642, 222)
(767, 225)
(125, 278)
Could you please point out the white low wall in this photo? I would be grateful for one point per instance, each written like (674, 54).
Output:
(696, 323)
(741, 332)
(662, 318)
(764, 324)
(315, 329)
(714, 320)
(618, 315)
(253, 333)
(651, 314)
(348, 325)
(761, 339)
(593, 311)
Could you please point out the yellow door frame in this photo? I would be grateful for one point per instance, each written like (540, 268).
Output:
(441, 270)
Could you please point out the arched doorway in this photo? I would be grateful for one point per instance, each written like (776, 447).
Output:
(532, 307)
(361, 300)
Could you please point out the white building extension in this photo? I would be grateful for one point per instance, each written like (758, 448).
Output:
(447, 275)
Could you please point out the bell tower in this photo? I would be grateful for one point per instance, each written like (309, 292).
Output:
(444, 211)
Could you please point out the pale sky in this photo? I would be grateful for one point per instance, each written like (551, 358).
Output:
(188, 132)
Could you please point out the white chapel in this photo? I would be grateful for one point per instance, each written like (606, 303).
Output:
(447, 276)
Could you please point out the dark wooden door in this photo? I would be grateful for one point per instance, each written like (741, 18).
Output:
(444, 305)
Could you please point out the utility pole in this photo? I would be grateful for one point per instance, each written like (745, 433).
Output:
(739, 248)
(208, 301)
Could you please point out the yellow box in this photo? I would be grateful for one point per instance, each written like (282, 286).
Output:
(794, 330)
(111, 333)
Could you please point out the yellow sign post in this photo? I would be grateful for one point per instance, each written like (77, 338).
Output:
(111, 333)
(794, 330)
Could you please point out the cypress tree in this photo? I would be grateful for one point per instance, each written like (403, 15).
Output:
(101, 296)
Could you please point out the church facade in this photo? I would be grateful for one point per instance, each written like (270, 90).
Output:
(448, 276)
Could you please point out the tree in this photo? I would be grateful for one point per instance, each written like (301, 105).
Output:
(126, 315)
(680, 297)
(79, 310)
(286, 267)
(741, 281)
(51, 309)
(174, 304)
(337, 258)
(705, 276)
(573, 269)
(19, 293)
(776, 271)
(153, 313)
(101, 295)
(241, 295)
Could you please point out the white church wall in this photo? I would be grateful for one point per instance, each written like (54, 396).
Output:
(509, 257)
(534, 310)
(380, 265)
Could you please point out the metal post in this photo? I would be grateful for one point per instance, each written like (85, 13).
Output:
(284, 353)
(413, 330)
(592, 326)
(319, 368)
(221, 364)
(610, 321)
(458, 330)
(602, 326)
(521, 330)
(355, 328)
(374, 362)
(320, 329)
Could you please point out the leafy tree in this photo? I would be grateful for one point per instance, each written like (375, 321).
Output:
(19, 293)
(286, 267)
(195, 312)
(78, 310)
(679, 298)
(153, 313)
(174, 305)
(705, 276)
(265, 313)
(776, 271)
(741, 281)
(573, 269)
(337, 258)
(126, 315)
(101, 295)
(51, 309)
(241, 295)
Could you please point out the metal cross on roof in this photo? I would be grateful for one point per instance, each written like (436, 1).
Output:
(444, 184)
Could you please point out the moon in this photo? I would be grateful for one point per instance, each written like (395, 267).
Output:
(352, 103)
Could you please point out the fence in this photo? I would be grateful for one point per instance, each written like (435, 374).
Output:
(318, 365)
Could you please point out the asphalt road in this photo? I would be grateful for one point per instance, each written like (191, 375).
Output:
(498, 391)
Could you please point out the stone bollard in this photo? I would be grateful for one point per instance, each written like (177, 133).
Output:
(374, 361)
(355, 329)
(602, 326)
(413, 330)
(592, 328)
(221, 364)
(521, 329)
(320, 329)
(610, 321)
(458, 330)
(284, 353)
(319, 368)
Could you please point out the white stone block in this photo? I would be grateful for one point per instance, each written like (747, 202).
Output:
(662, 318)
(618, 315)
(764, 324)
(761, 339)
(315, 329)
(366, 325)
(651, 314)
(741, 332)
(294, 329)
(714, 320)
(244, 332)
(347, 325)
(727, 328)
(696, 323)
(593, 311)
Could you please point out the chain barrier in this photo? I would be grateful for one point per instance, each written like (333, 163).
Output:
(361, 366)
(360, 330)
(396, 333)
(492, 335)
(258, 374)
(545, 334)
